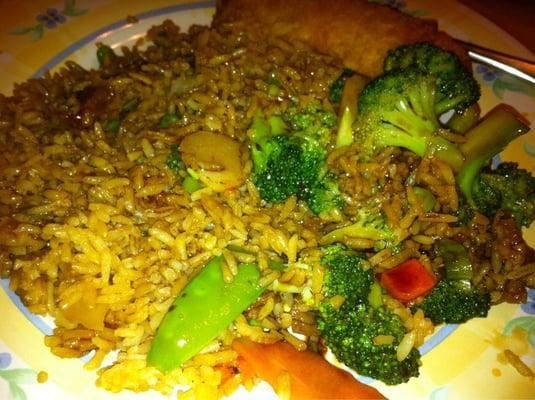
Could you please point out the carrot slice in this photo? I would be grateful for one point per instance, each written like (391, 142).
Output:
(408, 280)
(311, 376)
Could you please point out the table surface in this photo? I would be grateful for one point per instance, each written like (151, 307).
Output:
(516, 17)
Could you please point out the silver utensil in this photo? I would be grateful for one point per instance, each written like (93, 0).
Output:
(515, 66)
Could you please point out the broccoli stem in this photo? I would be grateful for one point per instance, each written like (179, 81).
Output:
(349, 109)
(446, 151)
(205, 307)
(487, 139)
(462, 121)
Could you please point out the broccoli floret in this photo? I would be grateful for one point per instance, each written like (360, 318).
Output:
(346, 275)
(454, 302)
(324, 195)
(312, 121)
(368, 223)
(349, 330)
(349, 333)
(398, 109)
(337, 87)
(454, 299)
(292, 162)
(287, 165)
(487, 139)
(507, 188)
(456, 87)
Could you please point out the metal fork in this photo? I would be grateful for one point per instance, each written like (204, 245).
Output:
(515, 66)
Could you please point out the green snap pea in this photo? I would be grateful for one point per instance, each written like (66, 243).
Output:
(206, 306)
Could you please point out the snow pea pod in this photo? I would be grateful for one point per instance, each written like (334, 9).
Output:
(205, 307)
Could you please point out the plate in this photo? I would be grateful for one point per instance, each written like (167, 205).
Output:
(458, 361)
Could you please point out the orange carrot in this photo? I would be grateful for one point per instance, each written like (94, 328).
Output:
(311, 376)
(227, 372)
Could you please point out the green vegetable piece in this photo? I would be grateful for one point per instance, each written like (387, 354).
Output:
(487, 139)
(295, 164)
(190, 184)
(174, 162)
(349, 109)
(462, 121)
(273, 90)
(112, 125)
(168, 119)
(105, 55)
(337, 87)
(445, 151)
(506, 187)
(192, 173)
(456, 260)
(455, 86)
(398, 109)
(206, 306)
(375, 298)
(349, 331)
(277, 265)
(255, 322)
(427, 198)
(369, 223)
(454, 302)
(277, 125)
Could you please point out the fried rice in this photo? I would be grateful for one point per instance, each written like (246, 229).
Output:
(97, 231)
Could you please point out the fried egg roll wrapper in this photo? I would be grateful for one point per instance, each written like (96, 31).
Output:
(358, 32)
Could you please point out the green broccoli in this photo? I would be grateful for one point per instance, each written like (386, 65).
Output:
(343, 263)
(484, 141)
(311, 121)
(454, 299)
(463, 120)
(286, 165)
(324, 195)
(507, 188)
(398, 109)
(349, 331)
(456, 87)
(401, 107)
(289, 156)
(453, 302)
(368, 223)
(337, 87)
(348, 109)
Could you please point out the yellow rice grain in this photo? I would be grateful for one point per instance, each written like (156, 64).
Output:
(383, 339)
(405, 346)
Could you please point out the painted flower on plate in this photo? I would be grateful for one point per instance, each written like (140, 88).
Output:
(529, 306)
(5, 360)
(51, 18)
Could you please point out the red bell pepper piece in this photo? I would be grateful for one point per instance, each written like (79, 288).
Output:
(408, 280)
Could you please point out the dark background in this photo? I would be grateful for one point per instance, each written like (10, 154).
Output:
(516, 17)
